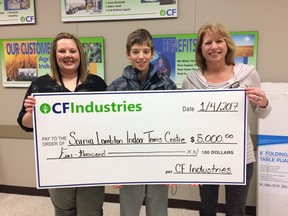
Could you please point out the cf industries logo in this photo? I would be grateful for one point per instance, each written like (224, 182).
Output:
(45, 108)
(27, 19)
(57, 108)
(169, 12)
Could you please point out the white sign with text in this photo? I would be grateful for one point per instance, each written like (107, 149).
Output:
(140, 137)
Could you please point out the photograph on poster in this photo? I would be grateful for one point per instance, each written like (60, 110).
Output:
(20, 60)
(245, 47)
(16, 4)
(83, 6)
(163, 65)
(93, 53)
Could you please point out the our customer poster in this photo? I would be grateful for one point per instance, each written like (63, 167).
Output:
(23, 60)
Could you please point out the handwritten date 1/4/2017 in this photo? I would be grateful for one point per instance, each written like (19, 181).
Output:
(219, 107)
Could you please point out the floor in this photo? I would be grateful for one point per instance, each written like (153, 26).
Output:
(20, 205)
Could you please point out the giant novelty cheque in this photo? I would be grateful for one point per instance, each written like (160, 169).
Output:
(140, 137)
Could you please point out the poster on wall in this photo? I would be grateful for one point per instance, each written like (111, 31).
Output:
(17, 12)
(175, 53)
(23, 60)
(93, 10)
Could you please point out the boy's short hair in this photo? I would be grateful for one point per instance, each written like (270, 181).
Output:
(139, 36)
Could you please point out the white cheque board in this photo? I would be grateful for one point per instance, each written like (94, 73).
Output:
(140, 137)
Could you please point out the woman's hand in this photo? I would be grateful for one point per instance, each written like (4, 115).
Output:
(29, 104)
(257, 96)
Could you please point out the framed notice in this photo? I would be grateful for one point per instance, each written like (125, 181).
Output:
(23, 60)
(17, 12)
(93, 10)
(175, 54)
(140, 137)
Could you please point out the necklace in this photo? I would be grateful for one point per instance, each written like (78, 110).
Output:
(62, 83)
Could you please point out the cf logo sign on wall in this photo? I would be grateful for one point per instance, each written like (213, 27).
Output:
(169, 12)
(27, 19)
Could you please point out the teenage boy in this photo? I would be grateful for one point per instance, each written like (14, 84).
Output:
(142, 75)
